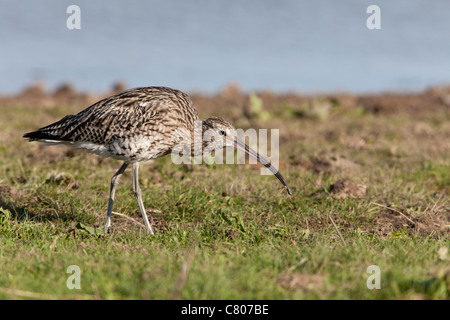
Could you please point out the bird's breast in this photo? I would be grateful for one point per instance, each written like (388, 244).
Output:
(135, 148)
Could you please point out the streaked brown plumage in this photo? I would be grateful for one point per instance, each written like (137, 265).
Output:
(138, 125)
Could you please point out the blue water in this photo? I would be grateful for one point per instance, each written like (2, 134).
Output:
(284, 45)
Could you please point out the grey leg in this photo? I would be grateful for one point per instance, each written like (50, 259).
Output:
(114, 183)
(138, 194)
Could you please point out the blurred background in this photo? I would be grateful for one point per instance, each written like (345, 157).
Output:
(203, 45)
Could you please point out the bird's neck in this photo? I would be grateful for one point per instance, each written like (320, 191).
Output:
(198, 143)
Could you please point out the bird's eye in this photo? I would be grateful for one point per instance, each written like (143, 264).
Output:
(222, 133)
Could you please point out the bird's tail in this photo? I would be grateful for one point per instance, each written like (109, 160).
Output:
(42, 137)
(51, 134)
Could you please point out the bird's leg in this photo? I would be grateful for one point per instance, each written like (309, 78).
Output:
(138, 194)
(114, 183)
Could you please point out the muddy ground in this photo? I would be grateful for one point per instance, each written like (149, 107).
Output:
(415, 103)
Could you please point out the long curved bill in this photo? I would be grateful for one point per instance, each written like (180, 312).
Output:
(245, 148)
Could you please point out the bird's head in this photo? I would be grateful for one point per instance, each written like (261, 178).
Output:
(219, 133)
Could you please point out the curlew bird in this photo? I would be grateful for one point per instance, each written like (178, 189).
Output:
(138, 125)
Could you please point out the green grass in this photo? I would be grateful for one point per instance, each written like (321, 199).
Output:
(35, 258)
(225, 232)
